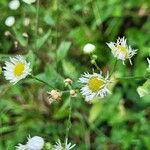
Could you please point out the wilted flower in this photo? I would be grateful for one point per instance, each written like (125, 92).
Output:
(14, 4)
(65, 146)
(121, 50)
(10, 21)
(94, 85)
(54, 96)
(16, 69)
(29, 1)
(89, 48)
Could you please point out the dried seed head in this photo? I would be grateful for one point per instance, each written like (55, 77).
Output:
(54, 96)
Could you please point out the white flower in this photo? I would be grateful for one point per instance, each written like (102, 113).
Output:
(10, 21)
(34, 143)
(94, 85)
(16, 69)
(21, 147)
(89, 48)
(121, 50)
(148, 60)
(60, 146)
(29, 1)
(14, 4)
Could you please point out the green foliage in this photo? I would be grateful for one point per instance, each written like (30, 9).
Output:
(54, 48)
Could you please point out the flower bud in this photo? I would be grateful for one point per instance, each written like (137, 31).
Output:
(89, 48)
(73, 93)
(67, 82)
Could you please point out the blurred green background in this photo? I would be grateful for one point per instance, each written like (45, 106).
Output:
(57, 32)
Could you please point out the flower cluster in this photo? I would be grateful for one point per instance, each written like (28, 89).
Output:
(14, 5)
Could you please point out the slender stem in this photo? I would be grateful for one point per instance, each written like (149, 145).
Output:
(34, 77)
(37, 22)
(69, 118)
(134, 77)
(95, 64)
(114, 67)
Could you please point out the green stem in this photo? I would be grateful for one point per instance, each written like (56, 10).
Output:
(134, 77)
(69, 118)
(37, 22)
(114, 67)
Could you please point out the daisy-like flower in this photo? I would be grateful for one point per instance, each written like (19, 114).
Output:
(16, 69)
(94, 85)
(34, 143)
(65, 146)
(121, 50)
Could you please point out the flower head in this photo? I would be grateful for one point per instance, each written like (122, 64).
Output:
(14, 4)
(29, 1)
(94, 85)
(121, 50)
(16, 69)
(34, 143)
(10, 21)
(65, 146)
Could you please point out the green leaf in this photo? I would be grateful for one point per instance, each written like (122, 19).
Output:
(41, 41)
(62, 50)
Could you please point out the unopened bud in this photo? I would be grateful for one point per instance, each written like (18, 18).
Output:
(92, 61)
(67, 82)
(94, 57)
(89, 48)
(73, 93)
(25, 35)
(7, 33)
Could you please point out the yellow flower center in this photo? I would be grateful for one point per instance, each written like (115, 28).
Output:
(123, 50)
(95, 84)
(19, 68)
